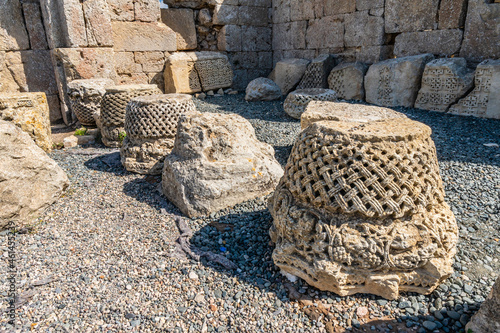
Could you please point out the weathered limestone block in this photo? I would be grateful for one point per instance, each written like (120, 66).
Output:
(52, 23)
(30, 112)
(86, 96)
(288, 72)
(339, 111)
(182, 22)
(190, 72)
(452, 14)
(262, 89)
(301, 10)
(97, 23)
(326, 32)
(229, 38)
(113, 109)
(373, 54)
(253, 16)
(121, 10)
(484, 100)
(225, 14)
(369, 4)
(13, 34)
(487, 319)
(361, 209)
(296, 102)
(482, 31)
(347, 80)
(316, 75)
(362, 29)
(31, 180)
(256, 38)
(72, 22)
(142, 36)
(34, 24)
(151, 125)
(395, 82)
(409, 15)
(147, 10)
(217, 162)
(438, 42)
(335, 7)
(444, 81)
(290, 36)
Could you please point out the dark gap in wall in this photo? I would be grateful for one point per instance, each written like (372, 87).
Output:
(390, 38)
(436, 19)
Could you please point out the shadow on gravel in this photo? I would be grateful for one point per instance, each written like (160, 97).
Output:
(107, 163)
(460, 138)
(282, 153)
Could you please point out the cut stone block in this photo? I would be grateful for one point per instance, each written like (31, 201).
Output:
(191, 72)
(34, 24)
(288, 72)
(395, 82)
(481, 32)
(121, 10)
(31, 181)
(444, 81)
(13, 34)
(262, 89)
(409, 15)
(361, 209)
(296, 102)
(335, 7)
(437, 42)
(452, 14)
(326, 32)
(217, 162)
(316, 75)
(141, 36)
(362, 29)
(339, 111)
(151, 126)
(182, 22)
(30, 112)
(486, 319)
(484, 100)
(86, 96)
(347, 80)
(147, 10)
(114, 107)
(72, 21)
(97, 23)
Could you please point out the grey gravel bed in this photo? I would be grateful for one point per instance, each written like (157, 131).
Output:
(98, 261)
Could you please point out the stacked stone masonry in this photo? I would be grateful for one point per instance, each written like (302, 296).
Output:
(361, 209)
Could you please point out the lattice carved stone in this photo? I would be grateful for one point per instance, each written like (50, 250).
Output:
(340, 111)
(484, 100)
(85, 97)
(113, 108)
(316, 75)
(296, 102)
(151, 125)
(190, 72)
(361, 209)
(347, 80)
(444, 81)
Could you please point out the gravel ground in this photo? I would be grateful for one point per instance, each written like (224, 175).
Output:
(98, 260)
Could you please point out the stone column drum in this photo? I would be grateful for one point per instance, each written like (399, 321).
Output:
(113, 108)
(85, 97)
(361, 209)
(151, 125)
(296, 102)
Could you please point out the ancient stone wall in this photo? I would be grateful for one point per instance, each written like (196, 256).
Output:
(373, 30)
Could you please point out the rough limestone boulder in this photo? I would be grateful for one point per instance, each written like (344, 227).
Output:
(484, 100)
(487, 319)
(29, 180)
(288, 73)
(347, 80)
(262, 89)
(395, 82)
(340, 111)
(30, 112)
(444, 81)
(361, 209)
(296, 102)
(217, 162)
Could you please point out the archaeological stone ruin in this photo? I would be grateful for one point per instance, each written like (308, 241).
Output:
(317, 119)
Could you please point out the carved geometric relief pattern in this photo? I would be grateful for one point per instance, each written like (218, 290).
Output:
(477, 101)
(384, 89)
(336, 82)
(313, 77)
(214, 73)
